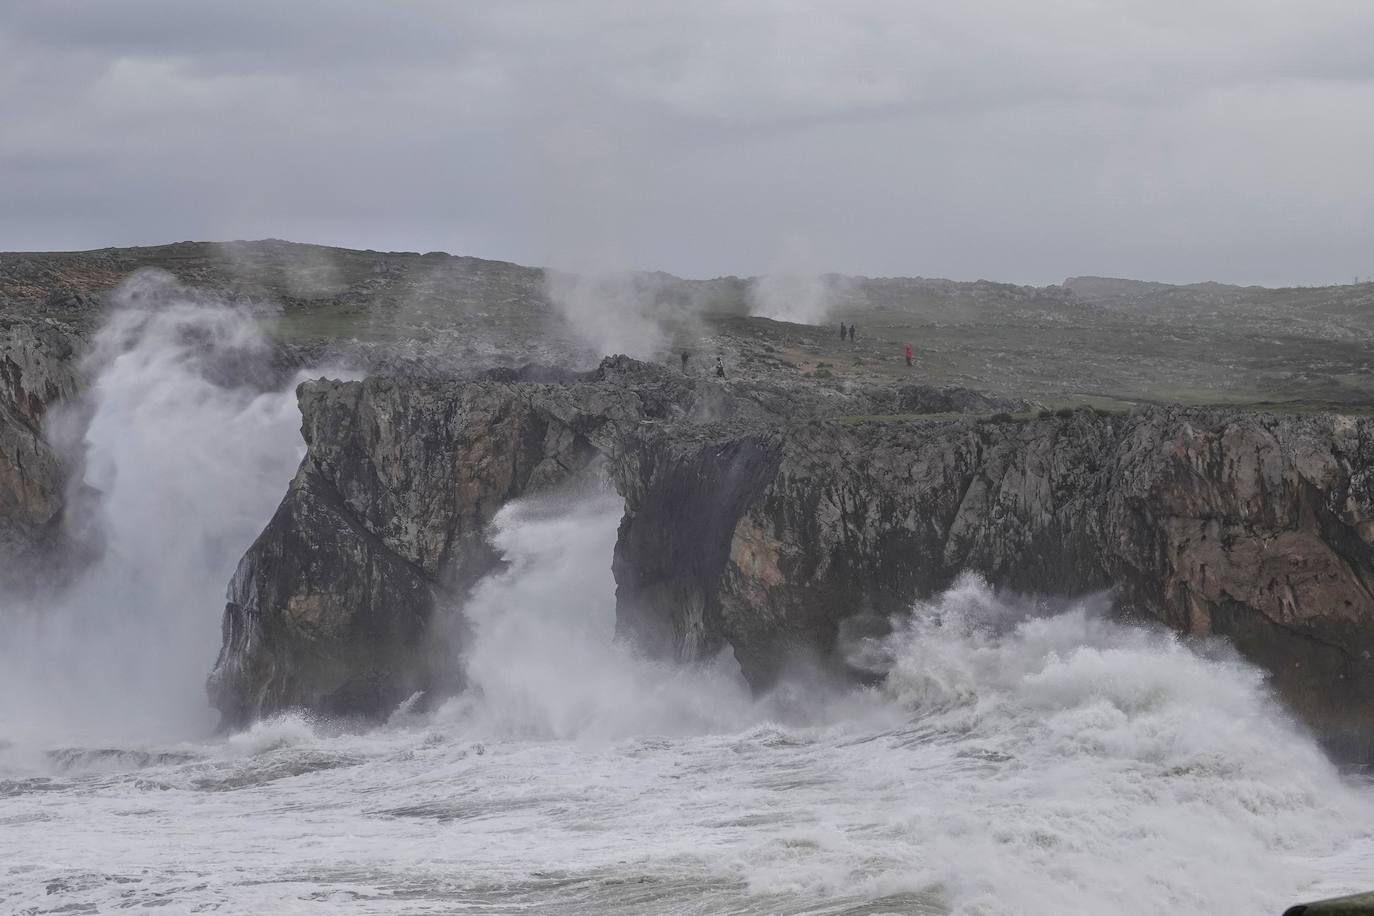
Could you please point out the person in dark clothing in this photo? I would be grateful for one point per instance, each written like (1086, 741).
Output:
(720, 368)
(851, 333)
(685, 356)
(907, 350)
(842, 330)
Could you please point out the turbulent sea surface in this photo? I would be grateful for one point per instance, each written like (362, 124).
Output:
(1019, 757)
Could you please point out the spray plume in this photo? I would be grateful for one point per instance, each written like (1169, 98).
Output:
(793, 291)
(183, 461)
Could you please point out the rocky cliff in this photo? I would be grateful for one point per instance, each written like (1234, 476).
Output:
(1248, 526)
(778, 537)
(37, 370)
(336, 606)
(808, 498)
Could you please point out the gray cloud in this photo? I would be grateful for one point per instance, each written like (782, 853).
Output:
(1151, 138)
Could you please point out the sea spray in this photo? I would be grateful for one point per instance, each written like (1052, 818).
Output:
(184, 458)
(1020, 755)
(611, 311)
(794, 290)
(543, 662)
(1100, 765)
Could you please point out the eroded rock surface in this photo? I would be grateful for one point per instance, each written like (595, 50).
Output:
(771, 536)
(1244, 525)
(37, 370)
(334, 608)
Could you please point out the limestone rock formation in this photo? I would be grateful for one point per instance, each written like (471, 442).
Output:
(36, 370)
(1245, 525)
(334, 608)
(1259, 529)
(776, 537)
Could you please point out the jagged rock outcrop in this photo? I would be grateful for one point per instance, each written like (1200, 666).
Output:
(856, 520)
(37, 369)
(334, 607)
(775, 537)
(1259, 529)
(321, 615)
(1244, 525)
(684, 503)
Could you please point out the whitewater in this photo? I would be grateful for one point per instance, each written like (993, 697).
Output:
(1019, 755)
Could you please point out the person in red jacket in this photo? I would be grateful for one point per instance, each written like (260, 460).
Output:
(907, 349)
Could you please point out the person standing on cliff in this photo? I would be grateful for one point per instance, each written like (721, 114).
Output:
(842, 330)
(851, 333)
(720, 368)
(907, 351)
(685, 357)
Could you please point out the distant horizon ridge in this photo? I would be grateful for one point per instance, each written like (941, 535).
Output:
(1067, 283)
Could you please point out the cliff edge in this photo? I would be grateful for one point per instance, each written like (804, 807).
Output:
(780, 537)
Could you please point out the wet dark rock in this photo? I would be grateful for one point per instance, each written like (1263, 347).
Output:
(778, 537)
(683, 504)
(335, 607)
(321, 616)
(1245, 525)
(37, 371)
(857, 520)
(812, 493)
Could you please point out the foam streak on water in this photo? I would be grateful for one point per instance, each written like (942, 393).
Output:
(1017, 759)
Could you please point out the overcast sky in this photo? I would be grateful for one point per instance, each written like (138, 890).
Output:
(1024, 140)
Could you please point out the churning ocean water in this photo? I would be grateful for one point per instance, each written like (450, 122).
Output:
(1019, 757)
